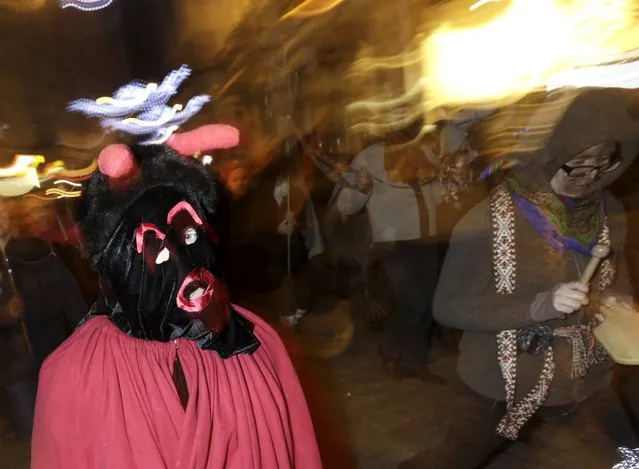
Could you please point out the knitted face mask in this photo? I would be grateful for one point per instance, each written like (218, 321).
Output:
(171, 273)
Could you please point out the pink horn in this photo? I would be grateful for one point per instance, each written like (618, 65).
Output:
(117, 162)
(207, 137)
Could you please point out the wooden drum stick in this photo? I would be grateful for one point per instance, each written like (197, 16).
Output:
(598, 252)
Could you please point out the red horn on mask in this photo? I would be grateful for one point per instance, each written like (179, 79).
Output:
(117, 163)
(207, 137)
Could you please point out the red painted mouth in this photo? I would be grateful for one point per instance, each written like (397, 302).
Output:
(196, 291)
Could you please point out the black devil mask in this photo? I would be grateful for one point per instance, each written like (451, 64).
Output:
(150, 225)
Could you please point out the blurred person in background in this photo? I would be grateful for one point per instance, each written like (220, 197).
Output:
(53, 302)
(18, 368)
(270, 230)
(50, 302)
(399, 192)
(236, 177)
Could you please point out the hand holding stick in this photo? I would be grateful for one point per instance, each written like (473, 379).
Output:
(598, 252)
(570, 297)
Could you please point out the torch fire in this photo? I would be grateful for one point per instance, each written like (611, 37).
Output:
(524, 47)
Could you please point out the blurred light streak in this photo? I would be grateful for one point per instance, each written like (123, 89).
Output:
(81, 173)
(398, 109)
(20, 164)
(310, 8)
(132, 102)
(528, 43)
(481, 3)
(622, 75)
(389, 104)
(141, 109)
(59, 192)
(367, 65)
(50, 171)
(86, 5)
(162, 136)
(22, 6)
(23, 175)
(230, 82)
(133, 97)
(52, 198)
(20, 184)
(519, 130)
(64, 181)
(164, 119)
(82, 147)
(378, 128)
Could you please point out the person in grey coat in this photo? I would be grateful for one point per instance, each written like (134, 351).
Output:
(511, 281)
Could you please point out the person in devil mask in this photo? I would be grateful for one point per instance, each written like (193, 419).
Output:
(165, 372)
(513, 282)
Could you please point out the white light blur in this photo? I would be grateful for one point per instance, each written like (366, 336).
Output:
(64, 181)
(623, 75)
(86, 5)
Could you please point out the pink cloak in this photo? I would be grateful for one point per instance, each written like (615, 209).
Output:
(107, 401)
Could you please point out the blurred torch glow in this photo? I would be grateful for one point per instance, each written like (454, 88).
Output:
(22, 6)
(531, 44)
(310, 8)
(20, 165)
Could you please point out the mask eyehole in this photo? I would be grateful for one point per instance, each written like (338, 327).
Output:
(190, 236)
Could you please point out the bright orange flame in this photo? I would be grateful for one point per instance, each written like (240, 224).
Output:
(520, 49)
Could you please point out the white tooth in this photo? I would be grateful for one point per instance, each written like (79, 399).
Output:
(163, 256)
(196, 294)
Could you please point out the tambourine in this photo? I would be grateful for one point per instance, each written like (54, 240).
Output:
(619, 333)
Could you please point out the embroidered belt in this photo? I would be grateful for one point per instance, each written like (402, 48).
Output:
(586, 350)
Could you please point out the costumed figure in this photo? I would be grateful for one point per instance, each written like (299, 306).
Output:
(514, 282)
(165, 371)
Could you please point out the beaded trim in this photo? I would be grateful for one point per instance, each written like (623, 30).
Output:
(504, 256)
(607, 272)
(502, 212)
